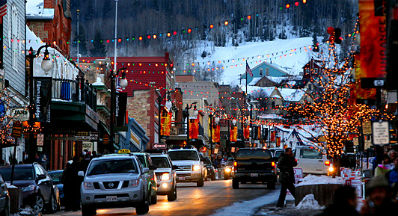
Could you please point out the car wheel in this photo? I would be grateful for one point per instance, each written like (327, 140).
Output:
(172, 195)
(143, 207)
(52, 206)
(38, 204)
(6, 210)
(271, 185)
(154, 198)
(200, 183)
(88, 210)
(235, 184)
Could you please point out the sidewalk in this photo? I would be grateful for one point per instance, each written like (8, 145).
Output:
(289, 210)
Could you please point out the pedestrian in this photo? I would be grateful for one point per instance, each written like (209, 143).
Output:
(67, 178)
(286, 163)
(379, 200)
(344, 203)
(383, 168)
(392, 177)
(392, 154)
(72, 183)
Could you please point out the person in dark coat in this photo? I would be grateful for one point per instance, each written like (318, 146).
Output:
(72, 183)
(286, 163)
(344, 203)
(379, 198)
(66, 180)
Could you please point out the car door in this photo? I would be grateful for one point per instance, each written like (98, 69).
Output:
(43, 181)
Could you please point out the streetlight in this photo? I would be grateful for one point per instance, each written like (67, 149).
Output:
(46, 65)
(123, 84)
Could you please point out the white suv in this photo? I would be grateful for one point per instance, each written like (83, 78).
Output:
(114, 181)
(165, 175)
(188, 165)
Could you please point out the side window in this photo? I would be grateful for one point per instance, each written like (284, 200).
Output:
(38, 171)
(149, 160)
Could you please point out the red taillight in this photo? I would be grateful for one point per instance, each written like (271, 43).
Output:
(235, 164)
(273, 164)
(327, 163)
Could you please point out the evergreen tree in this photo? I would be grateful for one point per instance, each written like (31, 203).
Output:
(81, 39)
(99, 48)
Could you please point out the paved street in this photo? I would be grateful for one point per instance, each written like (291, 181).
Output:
(193, 200)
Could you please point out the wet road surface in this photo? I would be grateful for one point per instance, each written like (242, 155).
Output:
(192, 200)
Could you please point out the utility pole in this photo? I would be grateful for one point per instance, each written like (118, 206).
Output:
(78, 35)
(113, 80)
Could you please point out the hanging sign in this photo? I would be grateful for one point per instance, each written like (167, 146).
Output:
(381, 135)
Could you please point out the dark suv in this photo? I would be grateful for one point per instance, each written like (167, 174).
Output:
(254, 165)
(37, 186)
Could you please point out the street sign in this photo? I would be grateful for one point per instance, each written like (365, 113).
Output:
(159, 146)
(366, 128)
(20, 114)
(16, 129)
(381, 135)
(355, 140)
(40, 139)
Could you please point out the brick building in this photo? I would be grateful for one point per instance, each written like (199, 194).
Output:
(51, 21)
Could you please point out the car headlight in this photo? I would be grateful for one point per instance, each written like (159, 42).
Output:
(196, 167)
(29, 188)
(88, 185)
(134, 183)
(227, 169)
(165, 177)
(331, 169)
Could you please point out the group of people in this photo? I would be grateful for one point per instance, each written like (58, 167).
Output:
(72, 181)
(381, 190)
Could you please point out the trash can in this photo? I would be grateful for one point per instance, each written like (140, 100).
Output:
(15, 199)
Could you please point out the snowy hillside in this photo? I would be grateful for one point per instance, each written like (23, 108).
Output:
(290, 54)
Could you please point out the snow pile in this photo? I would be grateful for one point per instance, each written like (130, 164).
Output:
(309, 202)
(28, 211)
(315, 180)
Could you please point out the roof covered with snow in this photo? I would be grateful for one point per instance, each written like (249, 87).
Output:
(35, 10)
(293, 95)
(254, 81)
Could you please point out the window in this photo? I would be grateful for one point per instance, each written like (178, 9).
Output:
(261, 72)
(14, 35)
(267, 71)
(100, 167)
(310, 154)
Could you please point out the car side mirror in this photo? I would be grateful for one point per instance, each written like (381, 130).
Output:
(174, 167)
(145, 170)
(80, 173)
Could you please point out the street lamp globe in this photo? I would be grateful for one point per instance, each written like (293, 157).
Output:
(234, 122)
(217, 120)
(47, 64)
(123, 83)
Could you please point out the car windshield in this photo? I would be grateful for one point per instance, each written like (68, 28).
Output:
(99, 167)
(278, 153)
(183, 155)
(160, 162)
(142, 160)
(245, 154)
(20, 173)
(56, 176)
(310, 154)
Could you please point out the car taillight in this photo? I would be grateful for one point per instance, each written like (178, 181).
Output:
(235, 166)
(273, 164)
(327, 163)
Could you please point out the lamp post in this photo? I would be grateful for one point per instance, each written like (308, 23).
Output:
(211, 135)
(123, 84)
(46, 65)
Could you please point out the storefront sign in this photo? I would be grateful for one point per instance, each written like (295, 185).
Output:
(159, 146)
(43, 98)
(20, 114)
(366, 127)
(381, 135)
(40, 139)
(16, 129)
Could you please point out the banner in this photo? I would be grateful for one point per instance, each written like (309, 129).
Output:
(246, 132)
(42, 95)
(259, 132)
(373, 39)
(166, 123)
(278, 141)
(193, 128)
(233, 136)
(216, 133)
(273, 134)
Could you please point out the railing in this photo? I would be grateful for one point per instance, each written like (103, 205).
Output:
(74, 91)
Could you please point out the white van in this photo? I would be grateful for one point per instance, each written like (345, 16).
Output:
(311, 160)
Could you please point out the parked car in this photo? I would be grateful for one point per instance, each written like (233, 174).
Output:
(211, 171)
(254, 165)
(56, 175)
(189, 167)
(166, 176)
(4, 198)
(38, 189)
(312, 161)
(146, 162)
(115, 181)
(228, 169)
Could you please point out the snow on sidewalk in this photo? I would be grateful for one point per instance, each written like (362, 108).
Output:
(248, 208)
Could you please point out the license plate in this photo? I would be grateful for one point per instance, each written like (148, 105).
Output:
(111, 198)
(181, 178)
(253, 174)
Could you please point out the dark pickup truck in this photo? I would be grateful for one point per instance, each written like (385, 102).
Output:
(254, 165)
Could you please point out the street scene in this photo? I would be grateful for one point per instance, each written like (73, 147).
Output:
(198, 107)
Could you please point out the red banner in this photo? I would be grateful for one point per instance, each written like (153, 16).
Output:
(216, 133)
(233, 136)
(373, 40)
(278, 141)
(193, 128)
(246, 132)
(259, 132)
(166, 123)
(273, 133)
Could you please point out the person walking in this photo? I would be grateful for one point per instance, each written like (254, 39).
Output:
(383, 168)
(286, 163)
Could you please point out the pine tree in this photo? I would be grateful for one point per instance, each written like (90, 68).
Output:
(99, 48)
(81, 39)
